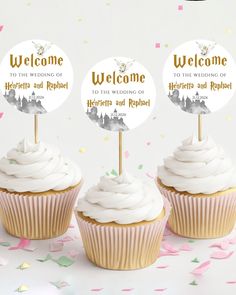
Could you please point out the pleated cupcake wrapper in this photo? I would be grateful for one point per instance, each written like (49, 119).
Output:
(37, 216)
(201, 217)
(123, 247)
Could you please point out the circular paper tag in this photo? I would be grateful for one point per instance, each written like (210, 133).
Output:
(118, 94)
(36, 77)
(199, 77)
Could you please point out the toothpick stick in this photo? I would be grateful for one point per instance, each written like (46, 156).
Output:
(36, 135)
(199, 127)
(120, 152)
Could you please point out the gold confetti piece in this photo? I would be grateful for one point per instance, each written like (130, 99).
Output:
(82, 150)
(85, 41)
(228, 118)
(24, 265)
(22, 288)
(106, 138)
(228, 31)
(162, 136)
(79, 19)
(166, 45)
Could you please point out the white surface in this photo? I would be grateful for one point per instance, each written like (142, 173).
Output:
(89, 31)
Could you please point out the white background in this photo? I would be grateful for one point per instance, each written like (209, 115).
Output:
(89, 31)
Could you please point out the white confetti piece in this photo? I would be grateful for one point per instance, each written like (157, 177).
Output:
(23, 266)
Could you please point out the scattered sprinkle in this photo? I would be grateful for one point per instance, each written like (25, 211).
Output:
(82, 150)
(96, 289)
(193, 283)
(180, 7)
(60, 284)
(231, 282)
(23, 266)
(140, 166)
(64, 261)
(201, 268)
(114, 173)
(48, 257)
(1, 27)
(162, 266)
(5, 244)
(157, 45)
(195, 260)
(56, 246)
(185, 247)
(221, 255)
(22, 288)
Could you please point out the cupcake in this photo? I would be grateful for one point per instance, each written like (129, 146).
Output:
(121, 222)
(38, 190)
(199, 180)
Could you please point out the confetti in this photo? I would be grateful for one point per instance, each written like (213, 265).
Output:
(66, 239)
(162, 266)
(48, 257)
(73, 254)
(166, 45)
(1, 114)
(193, 283)
(167, 253)
(60, 284)
(1, 27)
(82, 150)
(114, 173)
(5, 244)
(79, 19)
(140, 166)
(185, 247)
(23, 266)
(191, 241)
(3, 261)
(160, 289)
(180, 7)
(23, 244)
(64, 261)
(201, 268)
(231, 282)
(127, 154)
(195, 260)
(96, 289)
(127, 289)
(157, 45)
(221, 255)
(221, 245)
(169, 248)
(22, 288)
(106, 138)
(149, 175)
(56, 246)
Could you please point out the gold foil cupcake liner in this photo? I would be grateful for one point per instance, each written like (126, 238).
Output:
(122, 247)
(37, 216)
(201, 217)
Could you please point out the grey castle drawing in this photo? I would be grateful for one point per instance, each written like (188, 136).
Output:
(31, 105)
(194, 105)
(112, 123)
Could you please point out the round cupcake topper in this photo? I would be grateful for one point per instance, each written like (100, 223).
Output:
(199, 77)
(36, 77)
(118, 94)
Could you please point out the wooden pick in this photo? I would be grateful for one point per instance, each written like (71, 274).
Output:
(199, 127)
(36, 135)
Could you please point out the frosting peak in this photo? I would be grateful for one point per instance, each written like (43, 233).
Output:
(37, 168)
(198, 167)
(123, 199)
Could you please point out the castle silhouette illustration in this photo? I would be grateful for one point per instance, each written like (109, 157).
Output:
(32, 105)
(194, 105)
(113, 123)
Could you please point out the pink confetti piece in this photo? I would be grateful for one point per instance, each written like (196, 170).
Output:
(231, 282)
(180, 7)
(167, 253)
(149, 175)
(185, 247)
(232, 241)
(158, 45)
(1, 27)
(23, 244)
(56, 246)
(201, 268)
(223, 245)
(1, 115)
(160, 289)
(162, 266)
(127, 154)
(221, 255)
(169, 248)
(66, 239)
(127, 289)
(96, 289)
(3, 261)
(73, 254)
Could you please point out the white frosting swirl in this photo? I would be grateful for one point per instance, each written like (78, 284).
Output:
(122, 199)
(37, 168)
(198, 167)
